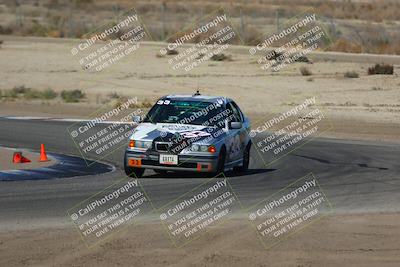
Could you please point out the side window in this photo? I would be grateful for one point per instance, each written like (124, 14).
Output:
(234, 113)
(235, 106)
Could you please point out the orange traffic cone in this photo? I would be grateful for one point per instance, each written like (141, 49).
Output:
(43, 156)
(24, 160)
(17, 157)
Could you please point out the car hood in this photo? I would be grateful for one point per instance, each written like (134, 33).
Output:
(167, 131)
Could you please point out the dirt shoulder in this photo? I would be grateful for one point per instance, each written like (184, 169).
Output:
(346, 240)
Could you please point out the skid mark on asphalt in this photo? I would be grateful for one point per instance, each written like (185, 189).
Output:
(362, 165)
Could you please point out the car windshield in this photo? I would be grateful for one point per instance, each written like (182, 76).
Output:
(187, 112)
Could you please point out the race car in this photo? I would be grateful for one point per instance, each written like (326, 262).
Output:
(194, 133)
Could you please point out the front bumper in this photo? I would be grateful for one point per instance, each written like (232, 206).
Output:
(150, 160)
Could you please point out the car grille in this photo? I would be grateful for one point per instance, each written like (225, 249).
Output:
(162, 146)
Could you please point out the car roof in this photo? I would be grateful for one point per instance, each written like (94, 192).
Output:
(203, 98)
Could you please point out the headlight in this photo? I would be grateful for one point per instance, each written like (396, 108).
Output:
(140, 144)
(202, 148)
(195, 148)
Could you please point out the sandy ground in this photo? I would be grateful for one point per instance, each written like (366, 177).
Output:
(345, 240)
(6, 163)
(41, 63)
(358, 107)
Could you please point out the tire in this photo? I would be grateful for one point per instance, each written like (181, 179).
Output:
(221, 161)
(133, 172)
(246, 160)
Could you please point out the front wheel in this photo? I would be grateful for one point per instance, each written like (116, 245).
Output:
(134, 172)
(246, 160)
(221, 161)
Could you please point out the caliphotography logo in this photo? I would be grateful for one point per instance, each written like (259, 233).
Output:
(110, 211)
(289, 210)
(111, 42)
(208, 39)
(105, 130)
(191, 215)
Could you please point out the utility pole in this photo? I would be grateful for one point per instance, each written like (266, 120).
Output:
(18, 13)
(242, 25)
(277, 20)
(163, 7)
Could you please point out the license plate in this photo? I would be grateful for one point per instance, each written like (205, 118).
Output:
(169, 159)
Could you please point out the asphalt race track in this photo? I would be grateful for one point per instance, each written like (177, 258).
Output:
(355, 176)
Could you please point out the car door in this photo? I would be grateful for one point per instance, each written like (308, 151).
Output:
(244, 134)
(234, 142)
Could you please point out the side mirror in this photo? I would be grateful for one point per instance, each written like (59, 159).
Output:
(235, 125)
(137, 119)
